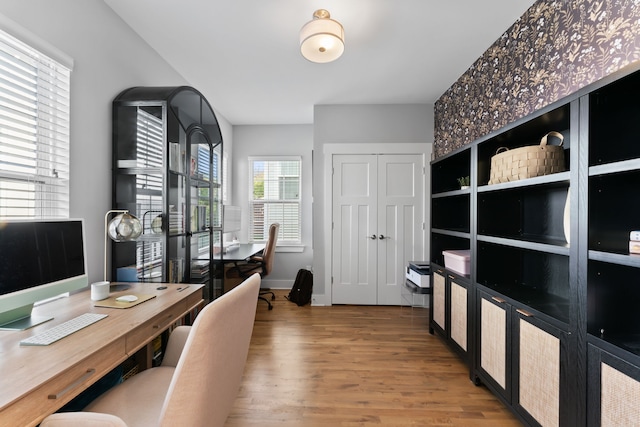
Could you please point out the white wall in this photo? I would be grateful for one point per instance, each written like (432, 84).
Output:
(108, 58)
(275, 140)
(357, 124)
(386, 124)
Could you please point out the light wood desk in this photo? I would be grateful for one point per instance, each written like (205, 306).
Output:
(37, 381)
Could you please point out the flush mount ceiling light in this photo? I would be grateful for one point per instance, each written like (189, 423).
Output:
(322, 39)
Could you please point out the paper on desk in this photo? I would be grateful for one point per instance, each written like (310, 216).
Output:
(112, 303)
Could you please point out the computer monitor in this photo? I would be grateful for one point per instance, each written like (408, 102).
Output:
(39, 259)
(231, 218)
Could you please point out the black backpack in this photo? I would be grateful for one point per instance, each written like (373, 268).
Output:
(302, 288)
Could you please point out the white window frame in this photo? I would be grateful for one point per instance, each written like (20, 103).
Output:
(290, 234)
(34, 128)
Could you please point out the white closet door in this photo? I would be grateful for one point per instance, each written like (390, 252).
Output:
(400, 202)
(377, 225)
(355, 221)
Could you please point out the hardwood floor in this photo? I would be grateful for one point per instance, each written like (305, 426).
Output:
(356, 366)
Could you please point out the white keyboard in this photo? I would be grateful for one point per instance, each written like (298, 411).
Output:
(64, 329)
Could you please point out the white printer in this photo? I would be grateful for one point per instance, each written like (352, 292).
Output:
(419, 272)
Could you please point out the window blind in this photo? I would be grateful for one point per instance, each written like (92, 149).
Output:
(149, 154)
(34, 132)
(149, 202)
(275, 197)
(217, 191)
(225, 180)
(203, 162)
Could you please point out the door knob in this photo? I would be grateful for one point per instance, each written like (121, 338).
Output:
(381, 237)
(373, 237)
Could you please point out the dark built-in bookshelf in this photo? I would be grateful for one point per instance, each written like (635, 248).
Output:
(553, 290)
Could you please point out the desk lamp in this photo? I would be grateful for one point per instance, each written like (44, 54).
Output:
(122, 228)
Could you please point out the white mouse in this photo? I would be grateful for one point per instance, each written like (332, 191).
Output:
(127, 298)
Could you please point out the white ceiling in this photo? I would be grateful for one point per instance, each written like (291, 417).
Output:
(244, 55)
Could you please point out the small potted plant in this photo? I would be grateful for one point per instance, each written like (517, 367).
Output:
(464, 182)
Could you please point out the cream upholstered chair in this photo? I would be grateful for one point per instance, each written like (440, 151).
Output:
(196, 385)
(261, 264)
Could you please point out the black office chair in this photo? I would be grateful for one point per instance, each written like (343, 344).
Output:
(262, 264)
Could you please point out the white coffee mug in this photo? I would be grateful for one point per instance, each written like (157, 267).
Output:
(99, 291)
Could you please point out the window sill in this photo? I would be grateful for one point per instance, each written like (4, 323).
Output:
(289, 248)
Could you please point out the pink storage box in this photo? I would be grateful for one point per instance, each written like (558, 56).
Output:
(458, 260)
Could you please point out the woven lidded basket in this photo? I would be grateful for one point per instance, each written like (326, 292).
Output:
(527, 162)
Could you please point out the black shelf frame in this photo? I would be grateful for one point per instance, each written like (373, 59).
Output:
(185, 121)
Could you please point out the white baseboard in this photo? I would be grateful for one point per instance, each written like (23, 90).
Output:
(276, 284)
(317, 300)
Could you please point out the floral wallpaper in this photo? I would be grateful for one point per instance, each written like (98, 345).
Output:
(556, 48)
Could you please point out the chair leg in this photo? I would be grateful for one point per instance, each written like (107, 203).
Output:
(273, 296)
(267, 301)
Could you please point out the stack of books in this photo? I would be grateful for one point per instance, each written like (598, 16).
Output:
(176, 270)
(634, 242)
(199, 269)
